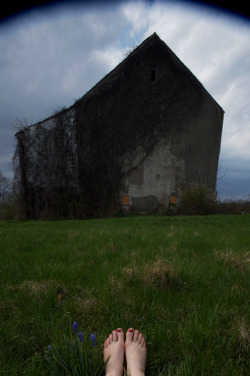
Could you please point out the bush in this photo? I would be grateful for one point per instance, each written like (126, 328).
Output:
(8, 209)
(233, 207)
(199, 201)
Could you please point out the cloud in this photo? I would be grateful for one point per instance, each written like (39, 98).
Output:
(137, 15)
(52, 55)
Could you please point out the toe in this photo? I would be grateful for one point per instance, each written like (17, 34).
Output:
(136, 335)
(140, 338)
(120, 335)
(114, 334)
(143, 343)
(129, 335)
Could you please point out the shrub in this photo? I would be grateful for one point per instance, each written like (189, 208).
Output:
(199, 201)
(8, 209)
(233, 207)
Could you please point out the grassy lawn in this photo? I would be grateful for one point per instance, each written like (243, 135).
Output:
(182, 281)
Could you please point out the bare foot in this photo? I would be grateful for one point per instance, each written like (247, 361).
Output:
(136, 353)
(114, 349)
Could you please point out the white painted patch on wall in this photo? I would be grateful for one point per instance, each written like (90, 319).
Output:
(155, 178)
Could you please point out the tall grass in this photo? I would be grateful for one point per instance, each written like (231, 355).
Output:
(182, 281)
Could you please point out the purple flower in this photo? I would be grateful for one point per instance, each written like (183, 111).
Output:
(93, 339)
(75, 327)
(81, 337)
(49, 348)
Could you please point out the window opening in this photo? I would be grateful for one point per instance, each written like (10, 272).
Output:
(153, 74)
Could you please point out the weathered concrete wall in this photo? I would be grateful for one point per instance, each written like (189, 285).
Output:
(150, 183)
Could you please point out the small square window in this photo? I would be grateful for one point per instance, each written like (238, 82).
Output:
(153, 74)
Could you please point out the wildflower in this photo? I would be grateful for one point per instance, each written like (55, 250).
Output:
(81, 337)
(93, 339)
(49, 348)
(75, 327)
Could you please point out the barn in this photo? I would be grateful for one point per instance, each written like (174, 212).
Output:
(146, 132)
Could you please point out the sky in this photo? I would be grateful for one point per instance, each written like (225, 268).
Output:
(51, 56)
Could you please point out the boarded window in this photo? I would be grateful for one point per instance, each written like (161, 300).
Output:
(172, 200)
(125, 200)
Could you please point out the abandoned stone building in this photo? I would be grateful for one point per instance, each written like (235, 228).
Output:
(146, 131)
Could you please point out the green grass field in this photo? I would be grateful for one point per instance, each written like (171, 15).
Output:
(182, 281)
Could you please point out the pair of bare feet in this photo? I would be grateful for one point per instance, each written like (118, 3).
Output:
(134, 348)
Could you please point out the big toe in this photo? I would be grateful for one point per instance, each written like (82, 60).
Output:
(120, 335)
(129, 335)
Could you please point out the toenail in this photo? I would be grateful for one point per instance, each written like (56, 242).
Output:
(131, 330)
(119, 330)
